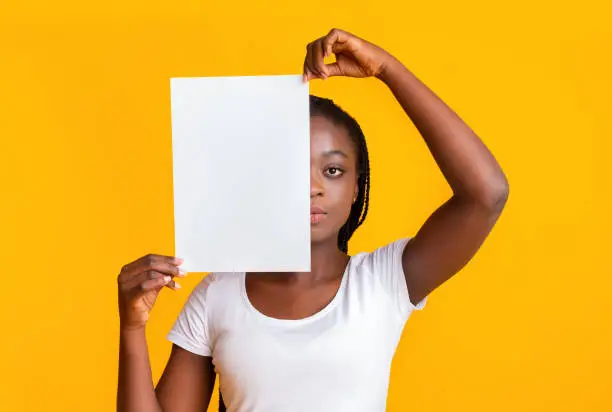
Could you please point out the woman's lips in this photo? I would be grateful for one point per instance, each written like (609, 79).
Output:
(316, 218)
(317, 214)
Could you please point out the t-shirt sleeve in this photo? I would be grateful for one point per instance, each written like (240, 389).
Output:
(191, 329)
(386, 265)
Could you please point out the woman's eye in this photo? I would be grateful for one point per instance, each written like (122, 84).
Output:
(334, 171)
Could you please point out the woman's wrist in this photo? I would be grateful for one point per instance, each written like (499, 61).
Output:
(130, 331)
(390, 68)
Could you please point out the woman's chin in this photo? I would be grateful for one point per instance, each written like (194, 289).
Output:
(319, 235)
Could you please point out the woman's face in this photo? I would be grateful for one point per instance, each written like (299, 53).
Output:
(333, 178)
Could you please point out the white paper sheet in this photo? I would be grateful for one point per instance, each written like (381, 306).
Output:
(241, 173)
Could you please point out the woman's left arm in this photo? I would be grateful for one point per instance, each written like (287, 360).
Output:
(452, 235)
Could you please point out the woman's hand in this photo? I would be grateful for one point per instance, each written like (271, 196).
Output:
(355, 57)
(139, 284)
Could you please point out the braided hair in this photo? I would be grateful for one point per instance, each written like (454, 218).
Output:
(328, 109)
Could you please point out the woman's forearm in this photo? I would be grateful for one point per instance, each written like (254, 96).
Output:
(467, 164)
(135, 391)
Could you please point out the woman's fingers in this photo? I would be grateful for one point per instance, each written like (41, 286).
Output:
(172, 284)
(327, 43)
(149, 272)
(139, 283)
(154, 284)
(329, 40)
(147, 275)
(307, 74)
(336, 41)
(309, 63)
(151, 284)
(165, 264)
(317, 57)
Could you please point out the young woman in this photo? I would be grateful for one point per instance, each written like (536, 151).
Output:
(322, 340)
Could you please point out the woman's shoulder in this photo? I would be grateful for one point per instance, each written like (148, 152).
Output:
(383, 267)
(215, 282)
(382, 256)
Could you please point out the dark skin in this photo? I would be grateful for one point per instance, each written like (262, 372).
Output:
(445, 243)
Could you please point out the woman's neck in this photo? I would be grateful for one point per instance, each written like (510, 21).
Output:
(327, 263)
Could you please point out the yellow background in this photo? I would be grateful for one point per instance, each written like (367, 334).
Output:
(85, 160)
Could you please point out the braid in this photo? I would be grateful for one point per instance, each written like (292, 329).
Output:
(359, 210)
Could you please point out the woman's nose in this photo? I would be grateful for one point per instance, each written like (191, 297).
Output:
(316, 188)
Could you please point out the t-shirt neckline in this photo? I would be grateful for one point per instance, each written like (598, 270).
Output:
(293, 322)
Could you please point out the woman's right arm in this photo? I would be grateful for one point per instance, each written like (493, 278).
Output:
(187, 382)
(188, 379)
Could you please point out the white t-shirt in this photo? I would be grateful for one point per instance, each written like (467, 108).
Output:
(337, 360)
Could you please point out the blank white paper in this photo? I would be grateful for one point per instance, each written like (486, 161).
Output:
(241, 173)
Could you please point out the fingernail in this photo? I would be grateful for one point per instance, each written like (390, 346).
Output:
(167, 279)
(178, 260)
(182, 272)
(176, 286)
